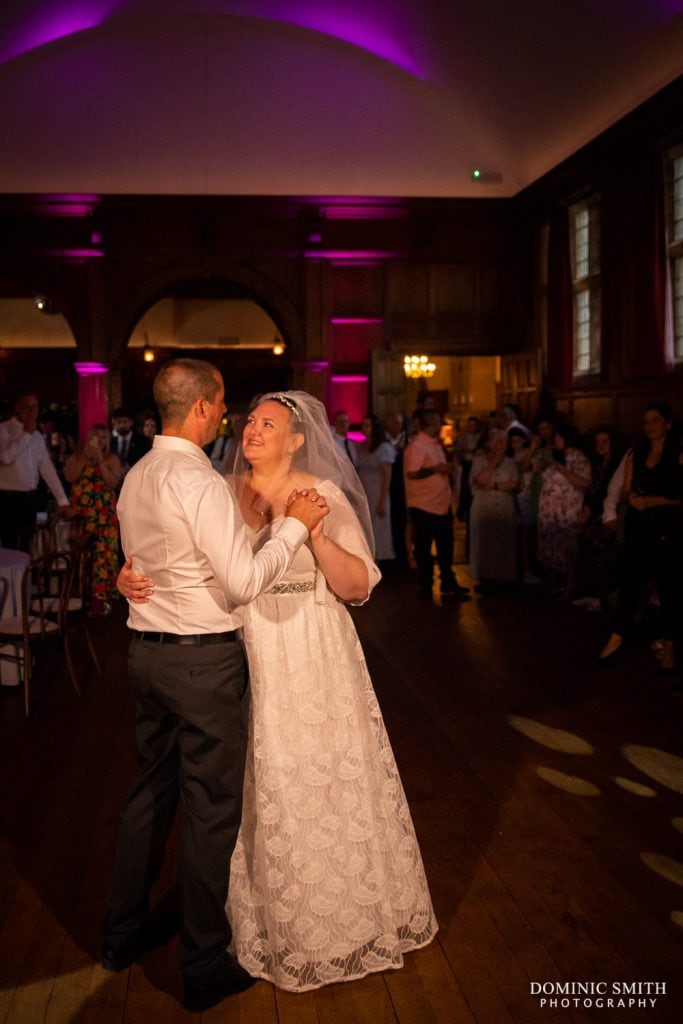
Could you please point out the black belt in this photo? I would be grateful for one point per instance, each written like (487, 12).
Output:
(187, 639)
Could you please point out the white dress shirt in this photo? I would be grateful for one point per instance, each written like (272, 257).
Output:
(24, 458)
(346, 445)
(181, 525)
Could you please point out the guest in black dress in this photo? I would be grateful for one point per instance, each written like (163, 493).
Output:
(653, 543)
(599, 541)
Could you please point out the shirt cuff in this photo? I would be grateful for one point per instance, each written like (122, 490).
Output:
(293, 530)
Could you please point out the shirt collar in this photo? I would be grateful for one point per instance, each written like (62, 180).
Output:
(166, 443)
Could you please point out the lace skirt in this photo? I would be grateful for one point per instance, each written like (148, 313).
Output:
(326, 882)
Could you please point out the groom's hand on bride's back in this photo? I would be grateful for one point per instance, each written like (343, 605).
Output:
(307, 506)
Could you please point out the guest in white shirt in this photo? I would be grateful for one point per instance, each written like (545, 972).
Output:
(24, 459)
(509, 419)
(180, 526)
(340, 436)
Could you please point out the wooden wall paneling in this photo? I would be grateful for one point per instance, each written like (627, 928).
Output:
(454, 289)
(387, 383)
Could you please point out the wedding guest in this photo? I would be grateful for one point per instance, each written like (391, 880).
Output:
(429, 499)
(523, 454)
(396, 434)
(508, 420)
(565, 482)
(598, 543)
(374, 466)
(24, 461)
(340, 435)
(147, 424)
(493, 516)
(94, 475)
(227, 445)
(653, 533)
(125, 442)
(59, 443)
(466, 444)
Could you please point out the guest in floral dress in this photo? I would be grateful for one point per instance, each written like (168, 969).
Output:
(560, 505)
(94, 475)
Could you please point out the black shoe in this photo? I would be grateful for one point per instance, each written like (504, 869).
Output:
(199, 996)
(454, 590)
(155, 932)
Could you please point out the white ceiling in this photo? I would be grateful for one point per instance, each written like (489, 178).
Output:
(318, 97)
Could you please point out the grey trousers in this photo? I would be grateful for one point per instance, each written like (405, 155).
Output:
(191, 732)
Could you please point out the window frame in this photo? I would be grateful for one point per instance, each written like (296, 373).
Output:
(674, 224)
(586, 275)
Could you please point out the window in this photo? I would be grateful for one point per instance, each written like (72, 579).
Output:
(585, 263)
(675, 239)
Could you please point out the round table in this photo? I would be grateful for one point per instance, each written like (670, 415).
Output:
(12, 565)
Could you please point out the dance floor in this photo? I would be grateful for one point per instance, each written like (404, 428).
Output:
(547, 794)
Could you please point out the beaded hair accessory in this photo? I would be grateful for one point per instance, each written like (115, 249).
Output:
(287, 402)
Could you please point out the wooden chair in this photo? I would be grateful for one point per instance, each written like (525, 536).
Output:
(43, 614)
(77, 607)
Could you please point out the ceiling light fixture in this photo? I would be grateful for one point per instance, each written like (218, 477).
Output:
(43, 303)
(418, 366)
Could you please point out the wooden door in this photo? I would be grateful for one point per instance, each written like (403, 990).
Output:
(388, 382)
(519, 383)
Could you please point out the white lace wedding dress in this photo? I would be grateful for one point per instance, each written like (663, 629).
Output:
(326, 882)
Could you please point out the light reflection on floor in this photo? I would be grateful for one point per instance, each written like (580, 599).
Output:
(663, 767)
(635, 787)
(667, 867)
(569, 783)
(658, 764)
(555, 739)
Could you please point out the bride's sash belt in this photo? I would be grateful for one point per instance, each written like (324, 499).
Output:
(297, 587)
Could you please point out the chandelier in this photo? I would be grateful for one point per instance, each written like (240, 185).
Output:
(418, 366)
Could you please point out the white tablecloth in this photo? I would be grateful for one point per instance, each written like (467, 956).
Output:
(12, 565)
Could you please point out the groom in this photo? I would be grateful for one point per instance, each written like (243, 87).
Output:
(187, 672)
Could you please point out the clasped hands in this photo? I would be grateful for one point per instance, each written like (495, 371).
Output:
(309, 508)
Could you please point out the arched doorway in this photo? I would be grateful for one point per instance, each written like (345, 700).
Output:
(37, 349)
(217, 320)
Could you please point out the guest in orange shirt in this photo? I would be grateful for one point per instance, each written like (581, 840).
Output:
(429, 500)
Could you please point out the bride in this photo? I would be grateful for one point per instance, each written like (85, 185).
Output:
(326, 881)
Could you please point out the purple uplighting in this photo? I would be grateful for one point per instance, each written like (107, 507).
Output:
(87, 369)
(43, 23)
(353, 22)
(376, 31)
(76, 254)
(356, 320)
(357, 255)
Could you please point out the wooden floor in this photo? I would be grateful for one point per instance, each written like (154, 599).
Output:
(546, 792)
